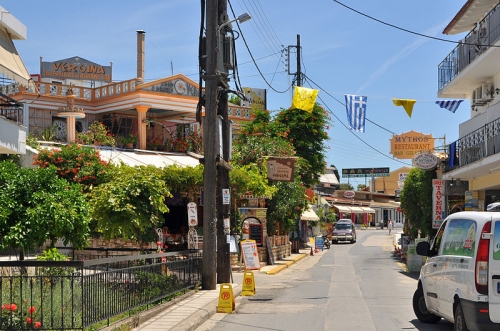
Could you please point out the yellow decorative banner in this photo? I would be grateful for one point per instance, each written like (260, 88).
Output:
(304, 98)
(407, 104)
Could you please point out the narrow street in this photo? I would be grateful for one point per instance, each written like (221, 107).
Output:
(349, 287)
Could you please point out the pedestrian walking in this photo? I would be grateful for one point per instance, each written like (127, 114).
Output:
(389, 225)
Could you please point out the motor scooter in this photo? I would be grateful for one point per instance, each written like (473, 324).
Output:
(326, 241)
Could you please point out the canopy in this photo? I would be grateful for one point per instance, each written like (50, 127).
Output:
(368, 210)
(138, 158)
(342, 208)
(309, 215)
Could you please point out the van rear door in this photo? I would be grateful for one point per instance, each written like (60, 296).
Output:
(494, 271)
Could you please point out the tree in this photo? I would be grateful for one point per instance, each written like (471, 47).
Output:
(416, 201)
(306, 132)
(131, 204)
(361, 187)
(38, 206)
(346, 187)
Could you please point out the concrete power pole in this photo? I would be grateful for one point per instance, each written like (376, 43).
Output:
(299, 73)
(211, 78)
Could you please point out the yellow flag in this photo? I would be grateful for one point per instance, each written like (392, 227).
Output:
(304, 98)
(407, 104)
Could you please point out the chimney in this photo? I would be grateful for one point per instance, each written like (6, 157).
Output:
(141, 34)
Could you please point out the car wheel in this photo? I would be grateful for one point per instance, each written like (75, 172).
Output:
(459, 324)
(420, 308)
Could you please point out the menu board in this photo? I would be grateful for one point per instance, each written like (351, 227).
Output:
(255, 233)
(250, 255)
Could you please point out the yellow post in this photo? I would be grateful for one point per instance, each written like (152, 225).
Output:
(226, 299)
(248, 286)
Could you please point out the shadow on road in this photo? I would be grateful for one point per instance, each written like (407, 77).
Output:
(442, 325)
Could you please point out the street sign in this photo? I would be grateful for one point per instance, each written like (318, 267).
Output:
(365, 172)
(226, 197)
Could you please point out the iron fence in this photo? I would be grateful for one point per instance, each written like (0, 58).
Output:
(74, 295)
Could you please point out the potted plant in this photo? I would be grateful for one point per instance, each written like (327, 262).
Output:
(129, 140)
(101, 135)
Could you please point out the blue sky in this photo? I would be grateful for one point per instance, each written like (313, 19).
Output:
(343, 52)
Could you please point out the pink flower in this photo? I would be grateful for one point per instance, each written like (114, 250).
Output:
(13, 307)
(29, 320)
(38, 325)
(163, 259)
(5, 307)
(31, 310)
(159, 243)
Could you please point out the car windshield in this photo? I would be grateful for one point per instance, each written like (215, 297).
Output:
(342, 226)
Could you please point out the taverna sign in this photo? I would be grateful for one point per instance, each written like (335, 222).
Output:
(425, 161)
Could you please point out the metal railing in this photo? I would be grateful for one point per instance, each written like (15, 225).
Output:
(480, 39)
(475, 146)
(75, 295)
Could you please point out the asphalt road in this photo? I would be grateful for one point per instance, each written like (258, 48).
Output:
(349, 287)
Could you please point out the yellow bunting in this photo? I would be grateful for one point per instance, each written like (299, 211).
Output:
(407, 104)
(226, 299)
(248, 286)
(304, 98)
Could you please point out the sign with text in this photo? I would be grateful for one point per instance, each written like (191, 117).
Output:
(365, 172)
(406, 145)
(250, 255)
(192, 214)
(76, 68)
(280, 169)
(438, 212)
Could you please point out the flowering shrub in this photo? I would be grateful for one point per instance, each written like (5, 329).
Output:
(130, 139)
(75, 163)
(12, 319)
(97, 132)
(154, 144)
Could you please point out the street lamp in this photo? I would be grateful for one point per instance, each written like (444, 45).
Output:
(241, 19)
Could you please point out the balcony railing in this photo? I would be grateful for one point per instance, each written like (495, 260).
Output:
(475, 146)
(480, 39)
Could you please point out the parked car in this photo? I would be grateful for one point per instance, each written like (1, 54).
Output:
(460, 280)
(344, 230)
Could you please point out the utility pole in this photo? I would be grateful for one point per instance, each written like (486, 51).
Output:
(299, 73)
(211, 78)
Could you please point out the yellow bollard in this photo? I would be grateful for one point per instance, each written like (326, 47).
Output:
(226, 299)
(248, 286)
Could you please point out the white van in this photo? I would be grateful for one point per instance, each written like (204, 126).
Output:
(460, 280)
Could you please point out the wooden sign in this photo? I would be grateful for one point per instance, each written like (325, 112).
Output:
(280, 169)
(250, 255)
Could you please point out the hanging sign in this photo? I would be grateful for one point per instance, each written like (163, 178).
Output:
(192, 214)
(226, 196)
(280, 169)
(406, 145)
(425, 161)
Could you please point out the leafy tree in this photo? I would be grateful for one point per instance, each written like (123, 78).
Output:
(183, 179)
(361, 187)
(38, 206)
(131, 204)
(346, 187)
(306, 132)
(416, 201)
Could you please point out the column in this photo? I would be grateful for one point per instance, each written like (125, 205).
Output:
(70, 129)
(141, 126)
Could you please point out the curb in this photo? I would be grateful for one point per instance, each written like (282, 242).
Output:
(285, 265)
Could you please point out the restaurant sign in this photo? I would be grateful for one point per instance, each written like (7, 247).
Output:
(280, 168)
(406, 145)
(425, 161)
(365, 172)
(75, 68)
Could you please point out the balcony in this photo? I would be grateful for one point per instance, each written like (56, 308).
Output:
(463, 61)
(12, 131)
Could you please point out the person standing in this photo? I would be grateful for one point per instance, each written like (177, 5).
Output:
(389, 225)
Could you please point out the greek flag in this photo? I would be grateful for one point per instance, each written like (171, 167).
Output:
(451, 105)
(356, 111)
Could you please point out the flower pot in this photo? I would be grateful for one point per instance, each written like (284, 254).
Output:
(129, 145)
(97, 142)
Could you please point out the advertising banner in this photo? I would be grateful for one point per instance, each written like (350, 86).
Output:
(438, 210)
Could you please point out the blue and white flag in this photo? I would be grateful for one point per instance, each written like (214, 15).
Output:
(451, 105)
(356, 111)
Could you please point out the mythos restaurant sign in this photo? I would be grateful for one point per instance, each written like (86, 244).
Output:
(425, 161)
(406, 145)
(75, 68)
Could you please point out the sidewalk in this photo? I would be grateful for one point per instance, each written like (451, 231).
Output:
(193, 310)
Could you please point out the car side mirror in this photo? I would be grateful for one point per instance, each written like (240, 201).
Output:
(423, 248)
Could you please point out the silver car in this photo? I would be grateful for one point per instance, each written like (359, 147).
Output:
(344, 230)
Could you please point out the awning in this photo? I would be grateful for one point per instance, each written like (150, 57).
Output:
(138, 158)
(356, 210)
(309, 215)
(342, 208)
(368, 210)
(11, 65)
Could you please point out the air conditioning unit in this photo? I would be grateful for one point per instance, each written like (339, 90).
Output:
(477, 96)
(486, 92)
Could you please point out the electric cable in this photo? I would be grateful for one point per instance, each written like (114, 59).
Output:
(409, 31)
(201, 101)
(338, 119)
